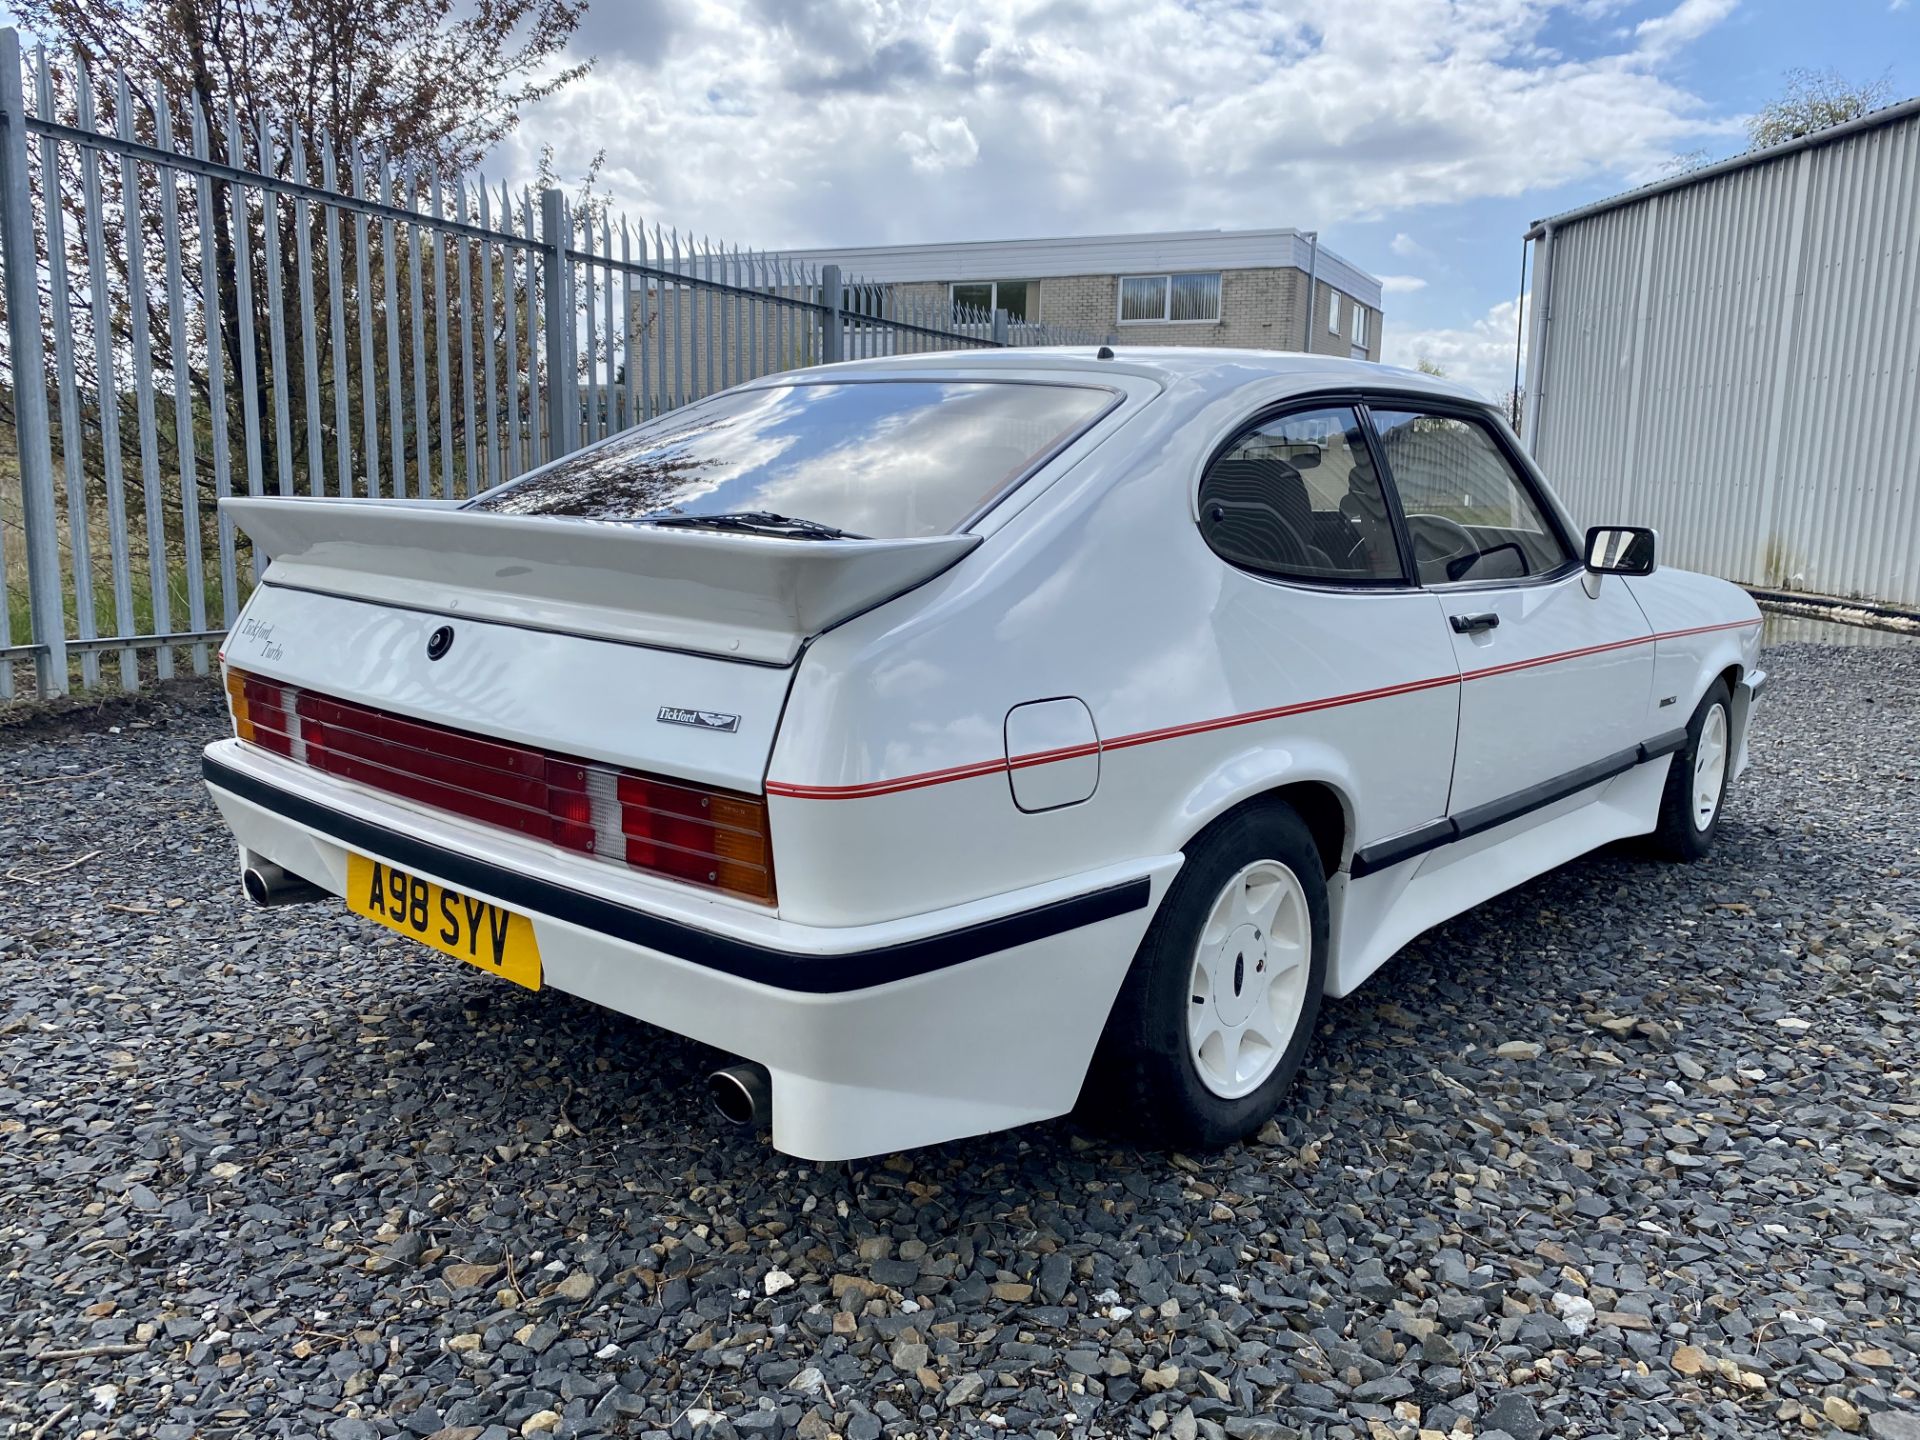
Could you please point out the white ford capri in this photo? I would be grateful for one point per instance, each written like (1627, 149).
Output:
(957, 738)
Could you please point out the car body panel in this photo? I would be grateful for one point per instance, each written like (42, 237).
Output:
(1703, 635)
(888, 752)
(1563, 648)
(502, 680)
(1202, 680)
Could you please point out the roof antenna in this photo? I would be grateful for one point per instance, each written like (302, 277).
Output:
(1105, 352)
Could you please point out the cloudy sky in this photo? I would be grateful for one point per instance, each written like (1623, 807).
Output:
(1419, 136)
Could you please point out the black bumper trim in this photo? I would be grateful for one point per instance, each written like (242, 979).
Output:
(1670, 743)
(1404, 847)
(805, 974)
(1392, 851)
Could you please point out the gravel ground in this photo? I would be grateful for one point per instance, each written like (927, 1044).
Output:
(1633, 1151)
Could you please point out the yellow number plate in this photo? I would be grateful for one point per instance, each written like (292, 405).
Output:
(498, 941)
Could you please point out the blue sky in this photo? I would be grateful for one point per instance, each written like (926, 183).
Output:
(1420, 136)
(1468, 252)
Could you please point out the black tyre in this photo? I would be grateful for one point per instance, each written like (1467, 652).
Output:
(1697, 782)
(1214, 1016)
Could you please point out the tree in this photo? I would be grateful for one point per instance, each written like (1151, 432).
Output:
(431, 85)
(432, 80)
(413, 79)
(408, 77)
(1813, 100)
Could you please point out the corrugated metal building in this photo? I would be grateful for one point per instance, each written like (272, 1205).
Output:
(1733, 357)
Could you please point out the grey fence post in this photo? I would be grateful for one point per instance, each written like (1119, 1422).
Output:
(1313, 286)
(563, 379)
(1000, 327)
(32, 428)
(833, 296)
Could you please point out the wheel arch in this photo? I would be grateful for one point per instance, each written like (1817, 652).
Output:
(1318, 792)
(1326, 813)
(1717, 669)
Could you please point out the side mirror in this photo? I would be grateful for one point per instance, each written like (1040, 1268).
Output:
(1620, 550)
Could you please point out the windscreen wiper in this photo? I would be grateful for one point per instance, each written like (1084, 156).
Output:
(759, 521)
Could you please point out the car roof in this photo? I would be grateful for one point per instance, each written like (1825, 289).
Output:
(1206, 368)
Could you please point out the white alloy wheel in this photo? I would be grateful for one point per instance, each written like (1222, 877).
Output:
(1709, 766)
(1249, 980)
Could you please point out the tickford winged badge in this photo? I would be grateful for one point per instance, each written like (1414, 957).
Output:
(699, 719)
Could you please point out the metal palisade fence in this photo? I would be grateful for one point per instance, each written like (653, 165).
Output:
(202, 304)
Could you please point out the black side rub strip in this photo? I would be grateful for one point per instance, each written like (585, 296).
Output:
(809, 974)
(1392, 851)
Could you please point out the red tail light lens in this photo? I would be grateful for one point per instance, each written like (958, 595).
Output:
(707, 837)
(260, 712)
(712, 838)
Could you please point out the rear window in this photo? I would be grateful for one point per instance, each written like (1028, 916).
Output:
(890, 459)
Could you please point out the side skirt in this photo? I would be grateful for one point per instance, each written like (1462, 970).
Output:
(1388, 908)
(1467, 823)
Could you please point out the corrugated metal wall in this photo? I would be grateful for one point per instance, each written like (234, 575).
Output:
(1736, 362)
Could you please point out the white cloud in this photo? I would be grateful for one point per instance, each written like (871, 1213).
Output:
(842, 121)
(1402, 284)
(1408, 248)
(946, 145)
(1481, 353)
(1686, 22)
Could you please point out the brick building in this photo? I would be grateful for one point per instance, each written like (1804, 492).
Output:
(1188, 287)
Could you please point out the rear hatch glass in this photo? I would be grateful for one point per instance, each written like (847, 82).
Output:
(877, 458)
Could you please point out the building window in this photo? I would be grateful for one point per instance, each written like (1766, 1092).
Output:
(1165, 299)
(975, 300)
(1333, 312)
(1360, 326)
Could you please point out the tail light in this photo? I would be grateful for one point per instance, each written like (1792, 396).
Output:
(703, 836)
(260, 712)
(712, 838)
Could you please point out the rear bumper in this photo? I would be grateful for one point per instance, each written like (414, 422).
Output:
(877, 1037)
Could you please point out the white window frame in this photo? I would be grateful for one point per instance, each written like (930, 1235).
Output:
(1333, 312)
(1166, 279)
(1360, 325)
(1033, 295)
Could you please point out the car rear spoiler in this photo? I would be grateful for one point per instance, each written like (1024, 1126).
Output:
(739, 596)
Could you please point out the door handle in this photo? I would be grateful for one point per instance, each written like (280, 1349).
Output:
(1473, 624)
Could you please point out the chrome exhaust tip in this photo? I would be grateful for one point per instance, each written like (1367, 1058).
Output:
(743, 1093)
(268, 884)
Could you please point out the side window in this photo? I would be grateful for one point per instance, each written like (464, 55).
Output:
(1469, 515)
(1298, 497)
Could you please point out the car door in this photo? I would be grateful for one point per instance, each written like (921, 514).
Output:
(1323, 632)
(1556, 667)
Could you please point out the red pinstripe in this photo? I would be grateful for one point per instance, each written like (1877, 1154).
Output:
(1200, 727)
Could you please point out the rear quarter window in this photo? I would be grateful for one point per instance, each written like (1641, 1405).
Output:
(887, 459)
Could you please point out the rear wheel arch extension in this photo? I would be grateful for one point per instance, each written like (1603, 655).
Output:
(1321, 807)
(1738, 716)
